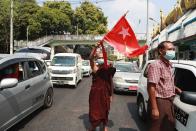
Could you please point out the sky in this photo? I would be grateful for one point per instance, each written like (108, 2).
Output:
(137, 15)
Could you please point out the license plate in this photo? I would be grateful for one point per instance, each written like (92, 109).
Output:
(60, 82)
(132, 87)
(180, 115)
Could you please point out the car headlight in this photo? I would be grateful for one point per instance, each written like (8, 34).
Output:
(118, 79)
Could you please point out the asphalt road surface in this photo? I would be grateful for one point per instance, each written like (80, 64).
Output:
(70, 112)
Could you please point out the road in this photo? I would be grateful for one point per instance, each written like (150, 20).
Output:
(70, 112)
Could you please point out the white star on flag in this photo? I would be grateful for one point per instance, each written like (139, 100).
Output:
(124, 32)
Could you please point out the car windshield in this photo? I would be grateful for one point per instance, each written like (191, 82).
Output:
(63, 61)
(85, 63)
(122, 67)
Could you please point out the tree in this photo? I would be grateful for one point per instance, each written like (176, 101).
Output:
(53, 21)
(24, 15)
(90, 19)
(4, 25)
(112, 57)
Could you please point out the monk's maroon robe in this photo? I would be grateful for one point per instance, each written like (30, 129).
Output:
(99, 98)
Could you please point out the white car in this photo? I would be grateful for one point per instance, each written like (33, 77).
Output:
(86, 68)
(126, 77)
(66, 69)
(185, 78)
(25, 86)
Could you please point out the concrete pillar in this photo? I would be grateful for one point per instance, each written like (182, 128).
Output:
(52, 52)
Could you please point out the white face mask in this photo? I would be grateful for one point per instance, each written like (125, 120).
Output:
(170, 54)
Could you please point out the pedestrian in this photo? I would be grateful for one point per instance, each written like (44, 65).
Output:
(161, 89)
(101, 92)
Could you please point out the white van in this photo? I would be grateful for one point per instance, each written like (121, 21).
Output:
(66, 68)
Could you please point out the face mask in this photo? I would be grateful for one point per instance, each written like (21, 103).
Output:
(170, 54)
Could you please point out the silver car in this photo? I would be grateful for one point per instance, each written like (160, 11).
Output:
(126, 77)
(24, 87)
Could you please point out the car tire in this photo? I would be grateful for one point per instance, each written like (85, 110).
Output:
(48, 101)
(141, 108)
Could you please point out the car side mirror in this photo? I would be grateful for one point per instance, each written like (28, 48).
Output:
(48, 62)
(188, 97)
(8, 83)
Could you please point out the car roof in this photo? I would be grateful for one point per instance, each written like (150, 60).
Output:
(48, 49)
(67, 54)
(4, 55)
(20, 55)
(185, 62)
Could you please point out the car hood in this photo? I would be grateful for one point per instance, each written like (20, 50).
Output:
(86, 67)
(128, 75)
(61, 67)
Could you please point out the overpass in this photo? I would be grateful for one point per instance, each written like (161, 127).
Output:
(61, 40)
(56, 40)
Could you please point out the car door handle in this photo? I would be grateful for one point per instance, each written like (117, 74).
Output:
(27, 86)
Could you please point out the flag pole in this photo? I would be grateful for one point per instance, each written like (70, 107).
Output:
(126, 13)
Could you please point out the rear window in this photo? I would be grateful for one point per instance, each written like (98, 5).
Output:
(185, 80)
(123, 67)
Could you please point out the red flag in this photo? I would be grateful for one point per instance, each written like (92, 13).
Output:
(122, 38)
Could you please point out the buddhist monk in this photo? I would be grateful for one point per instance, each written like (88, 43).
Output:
(101, 92)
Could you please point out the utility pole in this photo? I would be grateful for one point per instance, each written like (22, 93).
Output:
(11, 27)
(147, 35)
(27, 35)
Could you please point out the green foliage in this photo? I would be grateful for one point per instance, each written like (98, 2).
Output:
(112, 57)
(51, 18)
(4, 24)
(131, 59)
(90, 19)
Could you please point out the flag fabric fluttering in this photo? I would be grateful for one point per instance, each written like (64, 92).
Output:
(122, 38)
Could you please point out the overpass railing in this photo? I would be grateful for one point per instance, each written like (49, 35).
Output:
(47, 39)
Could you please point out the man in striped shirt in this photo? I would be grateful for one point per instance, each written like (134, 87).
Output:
(161, 89)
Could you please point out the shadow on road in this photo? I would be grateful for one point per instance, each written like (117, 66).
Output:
(86, 122)
(125, 93)
(26, 120)
(143, 126)
(127, 129)
(85, 119)
(64, 86)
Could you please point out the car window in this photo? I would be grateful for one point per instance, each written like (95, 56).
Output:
(123, 67)
(185, 80)
(34, 69)
(43, 66)
(63, 61)
(13, 71)
(85, 63)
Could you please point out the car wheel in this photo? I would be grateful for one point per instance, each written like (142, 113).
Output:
(141, 108)
(48, 98)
